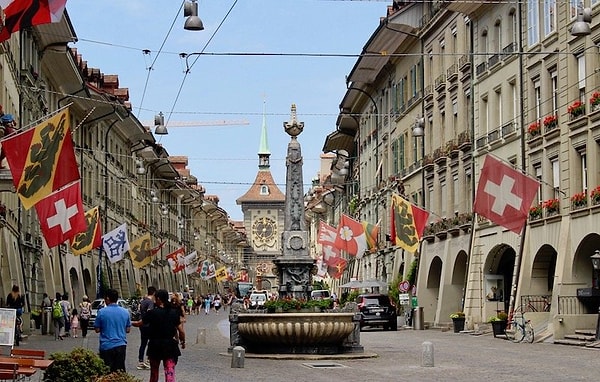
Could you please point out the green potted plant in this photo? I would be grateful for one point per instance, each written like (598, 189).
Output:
(80, 365)
(498, 323)
(458, 321)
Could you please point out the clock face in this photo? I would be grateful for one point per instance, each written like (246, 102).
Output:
(264, 229)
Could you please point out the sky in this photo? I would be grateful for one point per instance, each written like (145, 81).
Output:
(221, 81)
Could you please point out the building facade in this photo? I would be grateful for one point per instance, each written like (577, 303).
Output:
(478, 79)
(124, 172)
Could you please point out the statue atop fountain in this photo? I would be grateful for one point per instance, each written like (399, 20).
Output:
(295, 267)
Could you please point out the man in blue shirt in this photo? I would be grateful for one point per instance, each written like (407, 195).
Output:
(113, 323)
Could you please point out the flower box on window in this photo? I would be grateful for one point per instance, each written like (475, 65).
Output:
(595, 196)
(579, 200)
(576, 109)
(550, 122)
(552, 206)
(595, 101)
(534, 129)
(535, 212)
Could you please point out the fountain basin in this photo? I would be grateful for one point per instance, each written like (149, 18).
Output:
(296, 333)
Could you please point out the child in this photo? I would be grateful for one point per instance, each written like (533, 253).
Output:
(74, 323)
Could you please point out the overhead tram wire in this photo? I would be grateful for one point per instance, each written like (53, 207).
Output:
(151, 67)
(189, 67)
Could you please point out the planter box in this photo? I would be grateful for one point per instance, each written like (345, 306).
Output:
(459, 324)
(499, 328)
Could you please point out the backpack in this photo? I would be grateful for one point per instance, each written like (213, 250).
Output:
(57, 311)
(85, 312)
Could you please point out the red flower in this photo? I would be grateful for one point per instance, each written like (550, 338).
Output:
(550, 120)
(534, 128)
(576, 108)
(551, 204)
(595, 99)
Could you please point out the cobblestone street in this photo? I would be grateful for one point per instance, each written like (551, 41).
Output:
(457, 357)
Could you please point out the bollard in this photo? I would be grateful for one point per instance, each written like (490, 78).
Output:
(201, 336)
(237, 357)
(427, 358)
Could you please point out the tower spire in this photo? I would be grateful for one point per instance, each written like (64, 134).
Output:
(263, 150)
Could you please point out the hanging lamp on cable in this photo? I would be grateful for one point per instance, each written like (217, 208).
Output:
(193, 22)
(159, 123)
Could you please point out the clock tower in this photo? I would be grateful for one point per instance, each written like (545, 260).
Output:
(263, 209)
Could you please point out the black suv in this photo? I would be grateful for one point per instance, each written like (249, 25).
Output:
(377, 310)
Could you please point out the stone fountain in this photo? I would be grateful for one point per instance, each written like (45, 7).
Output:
(330, 332)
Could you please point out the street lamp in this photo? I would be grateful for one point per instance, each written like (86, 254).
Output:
(193, 22)
(581, 26)
(596, 264)
(419, 131)
(159, 122)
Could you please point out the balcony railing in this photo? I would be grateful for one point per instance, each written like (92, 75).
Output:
(510, 48)
(481, 68)
(440, 82)
(464, 62)
(452, 72)
(494, 60)
(481, 142)
(508, 128)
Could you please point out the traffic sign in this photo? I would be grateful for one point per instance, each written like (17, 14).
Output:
(404, 286)
(404, 299)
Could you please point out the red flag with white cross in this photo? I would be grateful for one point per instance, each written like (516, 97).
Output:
(61, 215)
(504, 194)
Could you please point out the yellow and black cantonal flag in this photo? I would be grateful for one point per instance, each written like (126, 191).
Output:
(140, 251)
(42, 159)
(91, 238)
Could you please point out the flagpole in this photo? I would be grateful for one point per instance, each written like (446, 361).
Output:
(519, 253)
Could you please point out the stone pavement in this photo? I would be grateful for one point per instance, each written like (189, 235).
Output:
(457, 357)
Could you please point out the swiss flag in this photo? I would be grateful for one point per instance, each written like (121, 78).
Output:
(327, 235)
(177, 260)
(504, 195)
(351, 237)
(61, 215)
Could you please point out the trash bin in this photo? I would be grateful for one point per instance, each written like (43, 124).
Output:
(418, 319)
(46, 321)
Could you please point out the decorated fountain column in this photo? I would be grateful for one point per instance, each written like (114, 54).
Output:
(294, 267)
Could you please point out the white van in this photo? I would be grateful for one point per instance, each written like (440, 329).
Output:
(320, 294)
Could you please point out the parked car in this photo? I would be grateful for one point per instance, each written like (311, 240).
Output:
(377, 310)
(99, 304)
(321, 294)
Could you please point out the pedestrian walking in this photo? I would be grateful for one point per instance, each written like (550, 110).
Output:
(85, 312)
(15, 301)
(66, 306)
(190, 305)
(177, 304)
(58, 317)
(74, 323)
(46, 303)
(165, 329)
(146, 305)
(217, 303)
(206, 304)
(113, 324)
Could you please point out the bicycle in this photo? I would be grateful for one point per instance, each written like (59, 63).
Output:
(518, 328)
(544, 302)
